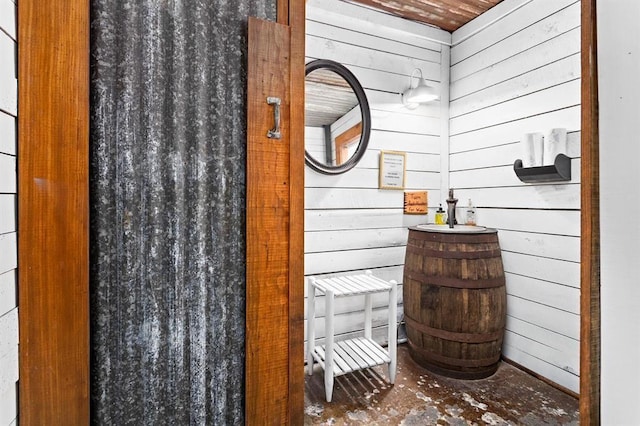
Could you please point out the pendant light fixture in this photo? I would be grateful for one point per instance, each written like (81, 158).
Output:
(422, 93)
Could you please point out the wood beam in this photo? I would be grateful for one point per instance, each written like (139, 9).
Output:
(590, 225)
(296, 21)
(53, 211)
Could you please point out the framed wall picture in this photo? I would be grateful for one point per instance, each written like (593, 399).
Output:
(392, 170)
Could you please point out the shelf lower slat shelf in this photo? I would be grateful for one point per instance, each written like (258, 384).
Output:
(352, 355)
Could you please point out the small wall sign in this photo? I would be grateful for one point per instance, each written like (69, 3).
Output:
(415, 202)
(392, 170)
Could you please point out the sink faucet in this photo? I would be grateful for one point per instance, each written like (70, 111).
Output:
(451, 209)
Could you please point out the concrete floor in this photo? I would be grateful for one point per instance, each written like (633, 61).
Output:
(509, 397)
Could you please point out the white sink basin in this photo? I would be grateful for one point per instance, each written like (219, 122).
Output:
(456, 228)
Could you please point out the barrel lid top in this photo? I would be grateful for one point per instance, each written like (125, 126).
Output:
(458, 229)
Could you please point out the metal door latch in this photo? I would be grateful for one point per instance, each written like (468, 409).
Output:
(275, 132)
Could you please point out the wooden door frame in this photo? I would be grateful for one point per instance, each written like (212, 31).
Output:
(274, 376)
(292, 14)
(55, 33)
(590, 223)
(53, 211)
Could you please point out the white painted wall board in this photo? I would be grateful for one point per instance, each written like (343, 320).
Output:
(7, 173)
(8, 82)
(552, 319)
(541, 78)
(543, 344)
(8, 405)
(558, 296)
(558, 222)
(558, 23)
(563, 197)
(368, 178)
(347, 54)
(341, 198)
(8, 54)
(318, 220)
(358, 38)
(7, 213)
(523, 17)
(396, 141)
(399, 122)
(8, 18)
(552, 270)
(561, 297)
(567, 350)
(8, 237)
(514, 349)
(9, 370)
(618, 91)
(554, 98)
(8, 300)
(543, 245)
(568, 118)
(8, 332)
(8, 248)
(324, 241)
(349, 260)
(556, 48)
(7, 134)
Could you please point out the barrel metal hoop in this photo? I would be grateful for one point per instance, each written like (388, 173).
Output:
(453, 335)
(430, 356)
(440, 281)
(471, 255)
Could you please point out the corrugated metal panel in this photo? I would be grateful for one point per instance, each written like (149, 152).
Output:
(168, 209)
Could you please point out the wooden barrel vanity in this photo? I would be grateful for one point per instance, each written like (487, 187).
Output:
(455, 301)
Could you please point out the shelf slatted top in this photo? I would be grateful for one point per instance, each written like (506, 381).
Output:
(352, 285)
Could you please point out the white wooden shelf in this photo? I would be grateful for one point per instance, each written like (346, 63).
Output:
(352, 355)
(346, 356)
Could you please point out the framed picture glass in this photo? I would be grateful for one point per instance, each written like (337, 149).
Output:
(392, 170)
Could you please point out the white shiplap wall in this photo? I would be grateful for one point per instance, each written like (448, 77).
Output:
(514, 71)
(8, 240)
(351, 225)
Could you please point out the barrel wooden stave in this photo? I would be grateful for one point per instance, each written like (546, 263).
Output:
(455, 302)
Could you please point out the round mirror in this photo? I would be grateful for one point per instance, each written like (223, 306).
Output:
(337, 118)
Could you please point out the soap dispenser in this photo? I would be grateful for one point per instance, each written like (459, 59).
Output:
(441, 217)
(471, 214)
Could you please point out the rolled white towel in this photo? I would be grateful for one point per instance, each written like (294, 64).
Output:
(554, 144)
(532, 146)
